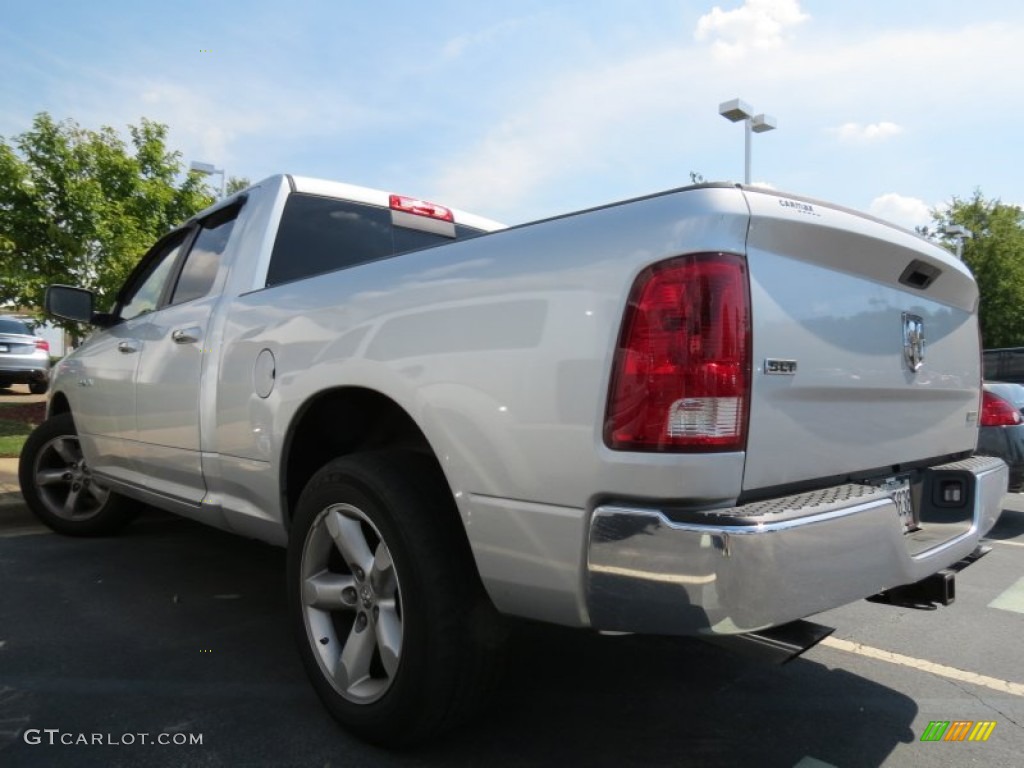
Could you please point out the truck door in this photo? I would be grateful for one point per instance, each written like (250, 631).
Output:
(168, 381)
(104, 405)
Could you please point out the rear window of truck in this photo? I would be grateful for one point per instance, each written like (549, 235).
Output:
(322, 234)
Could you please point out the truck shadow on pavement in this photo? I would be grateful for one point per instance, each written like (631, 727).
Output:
(176, 627)
(579, 698)
(1009, 526)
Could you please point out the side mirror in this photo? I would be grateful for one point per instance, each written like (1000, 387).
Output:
(69, 303)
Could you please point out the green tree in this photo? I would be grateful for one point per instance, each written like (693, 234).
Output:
(996, 256)
(236, 184)
(80, 207)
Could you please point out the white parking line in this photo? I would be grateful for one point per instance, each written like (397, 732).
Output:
(1003, 686)
(1012, 599)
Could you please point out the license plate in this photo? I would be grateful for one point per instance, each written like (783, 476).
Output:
(4, 348)
(899, 489)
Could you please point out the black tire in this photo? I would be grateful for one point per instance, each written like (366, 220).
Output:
(449, 636)
(59, 488)
(38, 387)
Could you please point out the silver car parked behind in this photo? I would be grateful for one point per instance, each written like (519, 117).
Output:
(24, 357)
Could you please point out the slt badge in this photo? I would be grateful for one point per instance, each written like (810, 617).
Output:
(913, 341)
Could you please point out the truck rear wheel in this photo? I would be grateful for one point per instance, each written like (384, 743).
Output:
(59, 487)
(393, 626)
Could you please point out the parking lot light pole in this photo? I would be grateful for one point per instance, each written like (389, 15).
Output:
(208, 169)
(959, 233)
(737, 110)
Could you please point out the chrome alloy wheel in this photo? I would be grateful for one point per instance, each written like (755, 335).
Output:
(351, 603)
(64, 481)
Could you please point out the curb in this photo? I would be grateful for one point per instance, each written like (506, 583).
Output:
(14, 515)
(10, 489)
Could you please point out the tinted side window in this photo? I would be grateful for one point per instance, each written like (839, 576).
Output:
(201, 264)
(319, 234)
(146, 293)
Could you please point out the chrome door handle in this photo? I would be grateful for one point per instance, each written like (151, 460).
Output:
(186, 335)
(128, 347)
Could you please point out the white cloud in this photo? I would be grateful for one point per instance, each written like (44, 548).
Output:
(908, 212)
(504, 166)
(756, 25)
(456, 46)
(562, 133)
(665, 100)
(207, 127)
(194, 117)
(858, 133)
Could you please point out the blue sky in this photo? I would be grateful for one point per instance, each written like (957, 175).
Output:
(528, 109)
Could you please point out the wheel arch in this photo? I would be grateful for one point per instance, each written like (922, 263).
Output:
(340, 422)
(58, 404)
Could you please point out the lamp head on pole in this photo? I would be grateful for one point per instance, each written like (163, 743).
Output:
(956, 230)
(209, 169)
(735, 110)
(763, 123)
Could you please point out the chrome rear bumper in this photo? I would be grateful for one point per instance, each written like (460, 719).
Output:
(771, 562)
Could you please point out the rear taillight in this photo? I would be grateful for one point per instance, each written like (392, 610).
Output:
(43, 344)
(681, 377)
(996, 412)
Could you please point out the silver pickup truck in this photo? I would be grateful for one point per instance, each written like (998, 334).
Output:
(712, 411)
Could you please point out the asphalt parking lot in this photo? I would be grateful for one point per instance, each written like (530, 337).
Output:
(174, 630)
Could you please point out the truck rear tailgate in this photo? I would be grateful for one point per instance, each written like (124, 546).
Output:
(844, 309)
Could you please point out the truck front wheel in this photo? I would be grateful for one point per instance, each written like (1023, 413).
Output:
(394, 629)
(59, 487)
